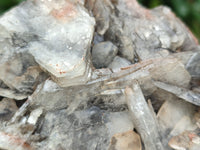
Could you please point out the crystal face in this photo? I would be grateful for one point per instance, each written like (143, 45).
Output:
(58, 34)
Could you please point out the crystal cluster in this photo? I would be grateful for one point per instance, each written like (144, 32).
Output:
(97, 75)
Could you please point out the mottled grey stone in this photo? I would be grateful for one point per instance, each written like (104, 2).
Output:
(89, 129)
(103, 53)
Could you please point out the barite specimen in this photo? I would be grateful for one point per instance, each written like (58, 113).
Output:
(57, 33)
(45, 48)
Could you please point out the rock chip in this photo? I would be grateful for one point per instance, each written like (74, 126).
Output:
(125, 141)
(103, 53)
(82, 107)
(118, 63)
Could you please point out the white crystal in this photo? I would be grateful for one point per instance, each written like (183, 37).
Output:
(35, 114)
(62, 32)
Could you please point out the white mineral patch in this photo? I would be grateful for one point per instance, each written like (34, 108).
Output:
(35, 114)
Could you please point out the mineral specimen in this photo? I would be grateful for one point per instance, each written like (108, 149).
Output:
(77, 74)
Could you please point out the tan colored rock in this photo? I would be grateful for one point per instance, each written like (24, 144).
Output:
(172, 112)
(125, 141)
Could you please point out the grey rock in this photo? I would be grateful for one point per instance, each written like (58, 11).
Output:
(8, 108)
(103, 53)
(97, 38)
(118, 63)
(126, 47)
(19, 71)
(2, 85)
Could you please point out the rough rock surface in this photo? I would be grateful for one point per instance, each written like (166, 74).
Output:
(88, 129)
(49, 54)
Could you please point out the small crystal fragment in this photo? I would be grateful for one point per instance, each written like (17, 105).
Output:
(125, 141)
